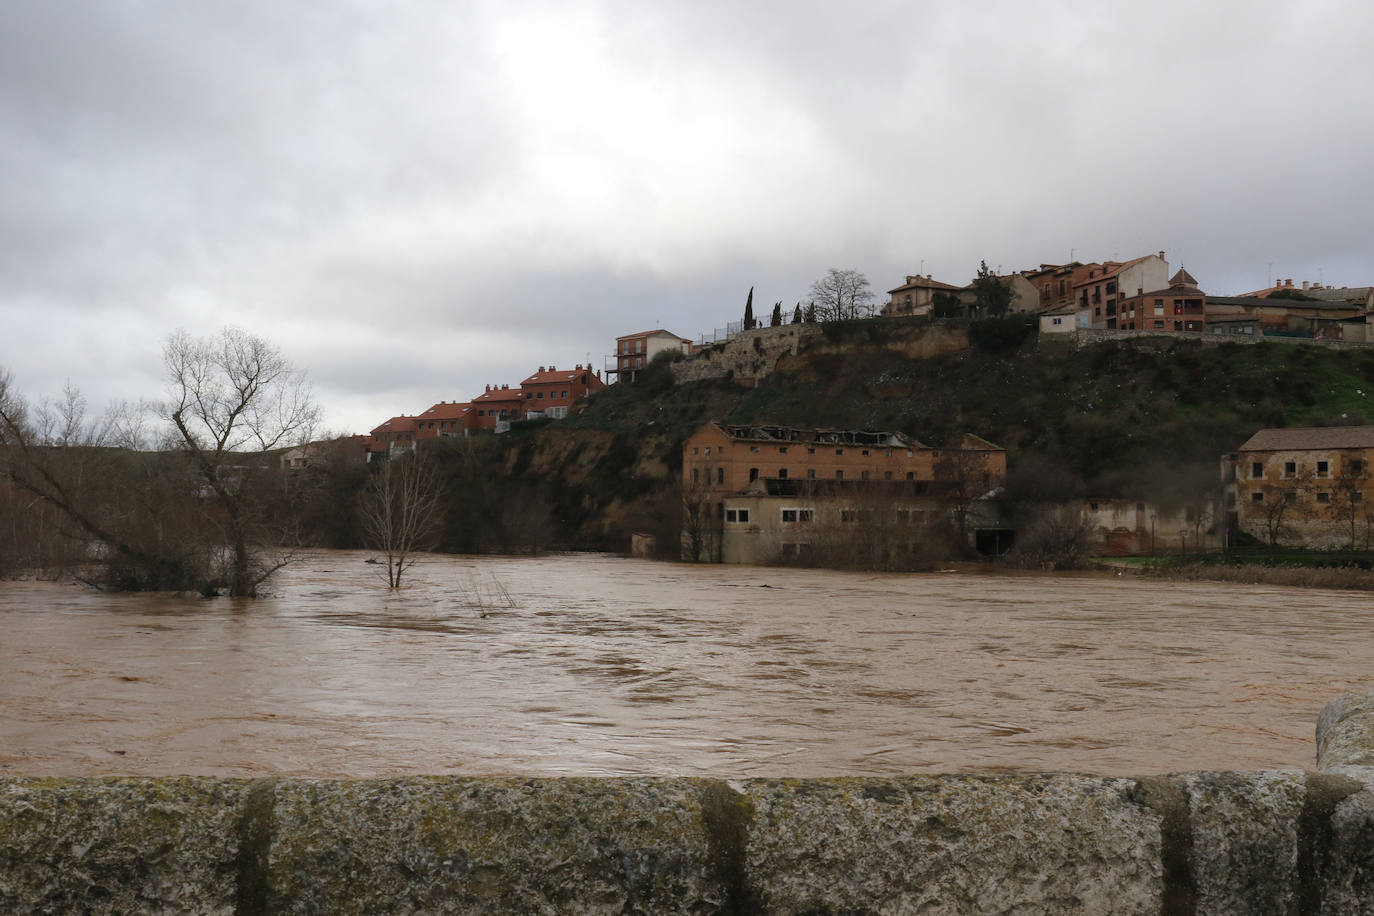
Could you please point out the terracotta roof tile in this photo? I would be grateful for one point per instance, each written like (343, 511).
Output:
(1310, 438)
(447, 410)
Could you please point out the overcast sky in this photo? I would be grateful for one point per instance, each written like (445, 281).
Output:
(414, 199)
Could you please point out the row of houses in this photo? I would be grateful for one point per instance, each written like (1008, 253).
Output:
(1141, 294)
(547, 392)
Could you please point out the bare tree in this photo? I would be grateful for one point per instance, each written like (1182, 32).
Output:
(963, 475)
(700, 526)
(1282, 501)
(400, 511)
(842, 294)
(86, 481)
(229, 395)
(1347, 493)
(1056, 536)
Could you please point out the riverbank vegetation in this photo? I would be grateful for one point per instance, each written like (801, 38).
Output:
(1341, 569)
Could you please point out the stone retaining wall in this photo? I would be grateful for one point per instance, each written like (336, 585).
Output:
(1226, 842)
(747, 356)
(1086, 337)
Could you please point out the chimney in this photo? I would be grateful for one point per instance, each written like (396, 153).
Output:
(1288, 283)
(541, 368)
(553, 368)
(1140, 290)
(1161, 254)
(488, 387)
(1306, 283)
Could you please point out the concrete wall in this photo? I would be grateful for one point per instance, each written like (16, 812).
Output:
(1226, 842)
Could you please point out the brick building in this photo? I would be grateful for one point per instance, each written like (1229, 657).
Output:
(447, 418)
(550, 391)
(1302, 486)
(396, 434)
(757, 493)
(634, 352)
(497, 406)
(1055, 284)
(1105, 286)
(1179, 307)
(916, 296)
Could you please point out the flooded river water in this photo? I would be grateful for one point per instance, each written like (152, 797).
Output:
(591, 665)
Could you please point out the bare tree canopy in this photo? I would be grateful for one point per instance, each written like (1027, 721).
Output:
(228, 394)
(842, 294)
(400, 511)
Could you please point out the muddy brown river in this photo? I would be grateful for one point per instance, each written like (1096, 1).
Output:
(593, 665)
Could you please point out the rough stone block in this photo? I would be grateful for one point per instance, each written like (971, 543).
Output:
(1347, 869)
(108, 846)
(1345, 732)
(448, 845)
(1244, 840)
(954, 844)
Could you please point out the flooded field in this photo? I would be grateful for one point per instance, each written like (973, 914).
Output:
(578, 665)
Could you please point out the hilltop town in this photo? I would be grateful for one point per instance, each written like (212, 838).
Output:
(790, 484)
(1139, 294)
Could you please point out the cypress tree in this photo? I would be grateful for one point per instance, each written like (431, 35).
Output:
(777, 315)
(796, 314)
(749, 311)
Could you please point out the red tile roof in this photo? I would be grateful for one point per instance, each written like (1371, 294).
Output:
(554, 376)
(447, 410)
(1112, 269)
(1310, 438)
(396, 425)
(498, 394)
(652, 333)
(925, 283)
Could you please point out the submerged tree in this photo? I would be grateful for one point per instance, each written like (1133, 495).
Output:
(400, 512)
(230, 395)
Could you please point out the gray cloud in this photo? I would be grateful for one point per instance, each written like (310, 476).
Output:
(420, 199)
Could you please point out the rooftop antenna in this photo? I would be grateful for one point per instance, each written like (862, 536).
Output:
(1321, 275)
(922, 269)
(1269, 281)
(1071, 251)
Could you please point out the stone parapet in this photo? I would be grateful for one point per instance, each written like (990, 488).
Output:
(1209, 842)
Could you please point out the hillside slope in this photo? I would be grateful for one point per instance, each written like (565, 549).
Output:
(1144, 418)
